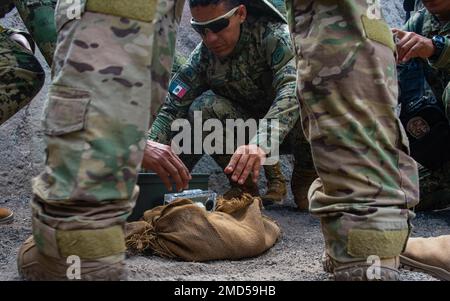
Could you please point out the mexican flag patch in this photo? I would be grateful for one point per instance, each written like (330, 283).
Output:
(178, 88)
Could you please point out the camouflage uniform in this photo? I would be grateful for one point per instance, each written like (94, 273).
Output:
(411, 6)
(95, 122)
(434, 185)
(38, 16)
(418, 5)
(21, 75)
(348, 91)
(257, 81)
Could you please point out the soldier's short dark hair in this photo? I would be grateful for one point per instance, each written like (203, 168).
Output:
(230, 3)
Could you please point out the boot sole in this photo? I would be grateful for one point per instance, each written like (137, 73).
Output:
(7, 220)
(415, 266)
(359, 273)
(273, 201)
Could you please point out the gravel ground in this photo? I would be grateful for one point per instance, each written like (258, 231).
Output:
(295, 257)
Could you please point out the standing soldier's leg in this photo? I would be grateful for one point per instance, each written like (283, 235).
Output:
(348, 92)
(95, 123)
(39, 18)
(21, 76)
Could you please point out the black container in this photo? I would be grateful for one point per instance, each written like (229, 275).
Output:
(152, 191)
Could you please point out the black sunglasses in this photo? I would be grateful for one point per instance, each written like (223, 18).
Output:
(215, 25)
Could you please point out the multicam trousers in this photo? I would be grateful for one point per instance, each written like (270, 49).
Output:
(96, 118)
(348, 91)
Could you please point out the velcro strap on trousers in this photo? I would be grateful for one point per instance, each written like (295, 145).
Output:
(86, 244)
(142, 10)
(378, 31)
(363, 243)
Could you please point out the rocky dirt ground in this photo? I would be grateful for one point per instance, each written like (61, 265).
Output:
(295, 257)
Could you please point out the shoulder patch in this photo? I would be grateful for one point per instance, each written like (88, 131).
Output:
(178, 88)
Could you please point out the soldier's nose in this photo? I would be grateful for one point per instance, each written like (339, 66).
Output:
(210, 37)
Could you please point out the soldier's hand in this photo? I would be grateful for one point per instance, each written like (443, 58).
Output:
(166, 164)
(246, 159)
(411, 45)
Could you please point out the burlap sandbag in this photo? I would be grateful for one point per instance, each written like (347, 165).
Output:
(182, 230)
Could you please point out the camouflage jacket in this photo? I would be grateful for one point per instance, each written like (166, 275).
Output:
(427, 25)
(259, 76)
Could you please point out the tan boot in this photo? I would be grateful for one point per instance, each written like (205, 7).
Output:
(360, 270)
(276, 185)
(300, 183)
(79, 254)
(35, 266)
(428, 255)
(6, 216)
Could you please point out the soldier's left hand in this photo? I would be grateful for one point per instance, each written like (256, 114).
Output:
(246, 159)
(411, 45)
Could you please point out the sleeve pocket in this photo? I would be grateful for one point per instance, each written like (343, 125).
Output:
(66, 111)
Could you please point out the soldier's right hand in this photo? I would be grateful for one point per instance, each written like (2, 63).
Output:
(411, 45)
(161, 159)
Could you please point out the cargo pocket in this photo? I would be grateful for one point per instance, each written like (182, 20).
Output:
(66, 111)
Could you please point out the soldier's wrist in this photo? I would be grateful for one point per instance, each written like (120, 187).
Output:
(438, 42)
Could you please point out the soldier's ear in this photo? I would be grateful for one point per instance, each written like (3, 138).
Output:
(242, 13)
